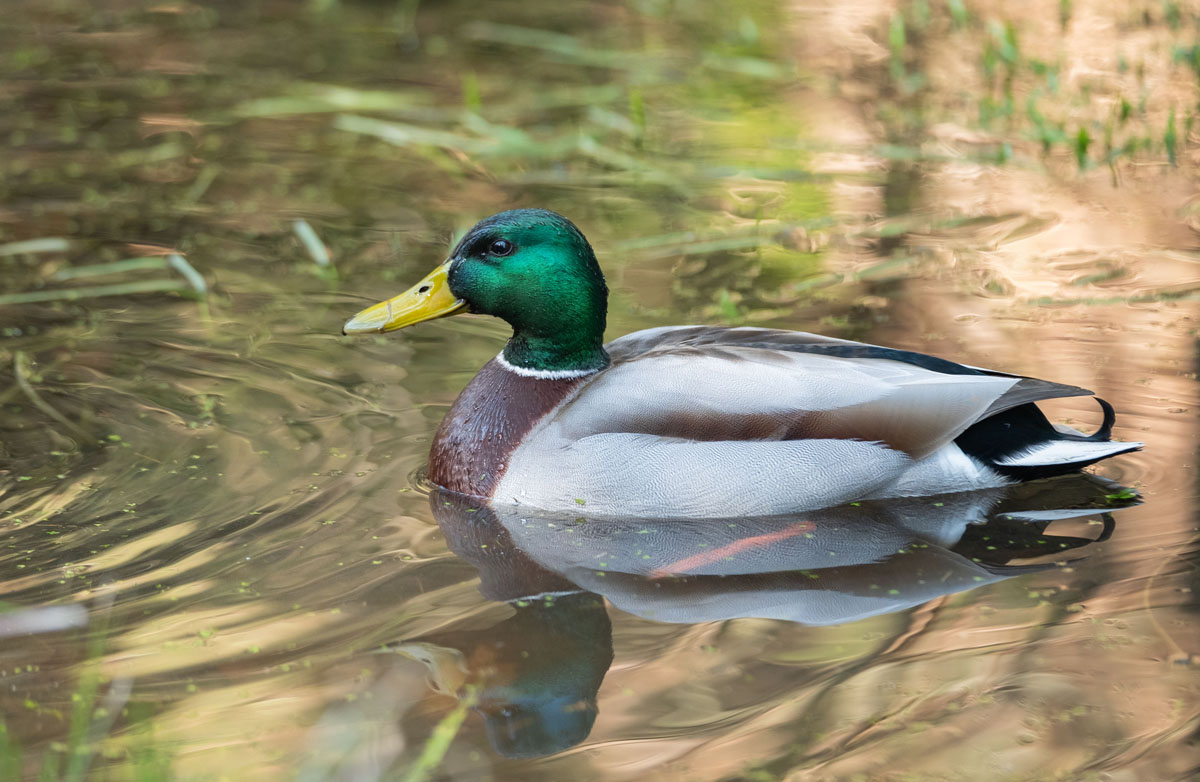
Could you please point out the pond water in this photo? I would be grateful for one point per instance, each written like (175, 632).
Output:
(220, 561)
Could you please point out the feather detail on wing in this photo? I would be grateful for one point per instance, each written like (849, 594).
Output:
(649, 341)
(731, 392)
(1026, 389)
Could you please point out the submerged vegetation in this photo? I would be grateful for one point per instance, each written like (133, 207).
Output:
(1099, 107)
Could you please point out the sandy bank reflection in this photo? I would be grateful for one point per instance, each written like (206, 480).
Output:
(534, 676)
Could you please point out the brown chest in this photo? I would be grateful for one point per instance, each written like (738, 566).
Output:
(486, 423)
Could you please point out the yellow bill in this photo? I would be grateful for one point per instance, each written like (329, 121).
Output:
(428, 299)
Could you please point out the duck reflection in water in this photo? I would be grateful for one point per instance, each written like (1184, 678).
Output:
(534, 677)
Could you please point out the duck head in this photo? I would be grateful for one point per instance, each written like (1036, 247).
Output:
(530, 267)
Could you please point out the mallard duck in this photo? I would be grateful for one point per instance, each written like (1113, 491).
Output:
(701, 421)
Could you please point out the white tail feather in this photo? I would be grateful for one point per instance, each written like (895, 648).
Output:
(1058, 452)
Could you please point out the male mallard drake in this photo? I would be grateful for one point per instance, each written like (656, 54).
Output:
(698, 420)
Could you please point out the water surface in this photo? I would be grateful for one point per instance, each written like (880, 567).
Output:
(211, 511)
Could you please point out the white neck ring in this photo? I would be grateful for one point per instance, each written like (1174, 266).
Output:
(543, 374)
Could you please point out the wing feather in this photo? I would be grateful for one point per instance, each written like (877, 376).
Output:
(727, 392)
(1027, 389)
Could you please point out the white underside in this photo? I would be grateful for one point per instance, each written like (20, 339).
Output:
(630, 475)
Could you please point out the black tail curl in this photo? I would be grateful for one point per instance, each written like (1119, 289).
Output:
(1104, 433)
(1021, 428)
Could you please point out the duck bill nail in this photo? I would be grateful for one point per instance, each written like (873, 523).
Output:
(428, 299)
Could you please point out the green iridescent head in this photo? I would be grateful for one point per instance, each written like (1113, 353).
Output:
(530, 267)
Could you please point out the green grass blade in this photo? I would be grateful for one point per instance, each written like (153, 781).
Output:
(11, 760)
(439, 742)
(194, 278)
(312, 243)
(94, 291)
(116, 267)
(36, 246)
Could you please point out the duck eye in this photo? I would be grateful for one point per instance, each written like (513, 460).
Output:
(501, 247)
